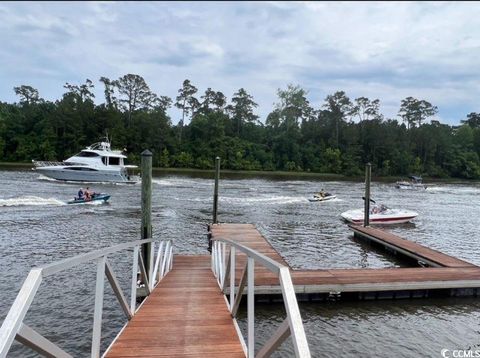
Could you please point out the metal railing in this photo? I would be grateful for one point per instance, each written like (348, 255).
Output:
(13, 327)
(44, 163)
(223, 265)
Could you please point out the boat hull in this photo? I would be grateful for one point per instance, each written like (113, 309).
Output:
(91, 176)
(97, 197)
(411, 186)
(326, 198)
(392, 217)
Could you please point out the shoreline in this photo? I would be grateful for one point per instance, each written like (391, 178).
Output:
(278, 175)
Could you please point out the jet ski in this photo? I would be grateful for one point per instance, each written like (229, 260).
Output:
(95, 197)
(322, 196)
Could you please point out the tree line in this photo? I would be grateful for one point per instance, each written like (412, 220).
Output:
(339, 137)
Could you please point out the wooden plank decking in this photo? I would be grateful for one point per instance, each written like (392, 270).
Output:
(416, 250)
(185, 316)
(449, 272)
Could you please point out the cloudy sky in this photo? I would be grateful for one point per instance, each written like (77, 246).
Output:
(378, 50)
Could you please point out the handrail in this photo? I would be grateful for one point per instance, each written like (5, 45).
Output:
(13, 327)
(292, 325)
(46, 163)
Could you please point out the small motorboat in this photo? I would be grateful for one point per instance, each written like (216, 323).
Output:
(414, 183)
(94, 198)
(380, 214)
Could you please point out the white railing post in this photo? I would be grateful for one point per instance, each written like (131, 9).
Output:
(291, 326)
(251, 308)
(158, 262)
(15, 316)
(224, 264)
(151, 279)
(164, 261)
(97, 315)
(218, 262)
(133, 297)
(170, 258)
(293, 314)
(232, 277)
(214, 258)
(13, 327)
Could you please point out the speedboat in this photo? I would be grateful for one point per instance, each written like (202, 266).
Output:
(414, 183)
(95, 197)
(325, 197)
(380, 214)
(96, 163)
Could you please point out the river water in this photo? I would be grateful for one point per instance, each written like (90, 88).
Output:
(37, 227)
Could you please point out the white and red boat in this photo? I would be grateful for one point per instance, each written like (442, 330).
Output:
(380, 214)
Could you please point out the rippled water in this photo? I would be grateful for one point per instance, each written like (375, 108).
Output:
(36, 227)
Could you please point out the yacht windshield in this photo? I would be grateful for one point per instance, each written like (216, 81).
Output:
(87, 154)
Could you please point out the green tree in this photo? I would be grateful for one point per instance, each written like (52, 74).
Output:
(414, 111)
(134, 94)
(28, 95)
(473, 120)
(241, 109)
(186, 100)
(340, 108)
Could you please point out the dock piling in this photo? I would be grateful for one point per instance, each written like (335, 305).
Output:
(215, 192)
(368, 175)
(146, 207)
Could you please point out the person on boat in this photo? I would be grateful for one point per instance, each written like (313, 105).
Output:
(80, 194)
(320, 194)
(88, 194)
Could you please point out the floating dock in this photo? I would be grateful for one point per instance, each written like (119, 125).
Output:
(438, 274)
(187, 315)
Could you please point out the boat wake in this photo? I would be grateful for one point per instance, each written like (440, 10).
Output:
(273, 200)
(45, 178)
(30, 201)
(454, 190)
(181, 183)
(336, 200)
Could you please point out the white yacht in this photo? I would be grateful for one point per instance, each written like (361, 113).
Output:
(96, 163)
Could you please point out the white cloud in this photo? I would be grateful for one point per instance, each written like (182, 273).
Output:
(384, 50)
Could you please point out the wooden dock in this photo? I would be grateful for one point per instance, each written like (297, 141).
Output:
(424, 255)
(446, 275)
(185, 316)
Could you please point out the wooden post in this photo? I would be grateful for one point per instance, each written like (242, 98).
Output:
(146, 206)
(215, 192)
(368, 174)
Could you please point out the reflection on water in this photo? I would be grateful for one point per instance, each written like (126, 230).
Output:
(35, 228)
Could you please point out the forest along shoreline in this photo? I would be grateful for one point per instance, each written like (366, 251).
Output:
(338, 135)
